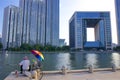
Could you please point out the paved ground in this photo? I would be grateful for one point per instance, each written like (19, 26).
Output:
(12, 76)
(99, 75)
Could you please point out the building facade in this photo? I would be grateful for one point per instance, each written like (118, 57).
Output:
(11, 27)
(78, 25)
(52, 22)
(117, 8)
(62, 42)
(37, 22)
(40, 23)
(33, 21)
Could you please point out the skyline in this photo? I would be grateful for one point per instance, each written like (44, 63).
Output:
(67, 8)
(33, 22)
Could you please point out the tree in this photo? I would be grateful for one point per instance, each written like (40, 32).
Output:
(1, 46)
(117, 48)
(66, 48)
(49, 48)
(38, 47)
(26, 46)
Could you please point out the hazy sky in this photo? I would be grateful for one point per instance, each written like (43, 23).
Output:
(67, 8)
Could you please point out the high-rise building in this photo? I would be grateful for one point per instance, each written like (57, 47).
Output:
(117, 8)
(11, 27)
(78, 25)
(33, 21)
(52, 22)
(38, 22)
(62, 42)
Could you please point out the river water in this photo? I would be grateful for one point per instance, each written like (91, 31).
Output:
(54, 61)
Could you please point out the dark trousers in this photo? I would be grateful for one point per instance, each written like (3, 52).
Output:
(21, 69)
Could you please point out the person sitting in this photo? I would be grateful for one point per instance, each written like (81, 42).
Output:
(25, 64)
(36, 70)
(36, 65)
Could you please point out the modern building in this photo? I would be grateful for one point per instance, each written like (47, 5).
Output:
(11, 27)
(38, 23)
(117, 8)
(114, 45)
(33, 21)
(52, 22)
(62, 42)
(78, 25)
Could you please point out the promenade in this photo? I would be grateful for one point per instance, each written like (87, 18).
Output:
(99, 74)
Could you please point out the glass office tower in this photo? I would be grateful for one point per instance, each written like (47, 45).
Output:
(34, 22)
(52, 22)
(40, 23)
(11, 27)
(78, 25)
(117, 8)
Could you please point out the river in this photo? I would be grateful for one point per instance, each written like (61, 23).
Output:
(54, 61)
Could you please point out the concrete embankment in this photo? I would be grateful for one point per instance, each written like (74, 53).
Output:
(84, 74)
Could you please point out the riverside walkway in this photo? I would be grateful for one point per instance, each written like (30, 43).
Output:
(98, 74)
(102, 75)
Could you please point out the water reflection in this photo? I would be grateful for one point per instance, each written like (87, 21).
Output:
(77, 60)
(63, 60)
(54, 61)
(3, 58)
(104, 60)
(116, 59)
(91, 59)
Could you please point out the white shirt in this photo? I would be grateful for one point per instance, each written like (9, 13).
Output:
(25, 64)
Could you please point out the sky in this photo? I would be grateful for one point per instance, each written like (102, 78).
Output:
(67, 9)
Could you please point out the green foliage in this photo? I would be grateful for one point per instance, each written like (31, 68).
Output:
(116, 48)
(49, 48)
(26, 47)
(65, 48)
(1, 46)
(38, 47)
